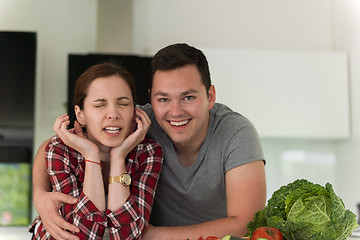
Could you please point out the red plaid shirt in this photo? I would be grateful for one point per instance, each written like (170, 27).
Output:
(66, 168)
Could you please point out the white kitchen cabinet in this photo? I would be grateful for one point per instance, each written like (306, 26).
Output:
(286, 94)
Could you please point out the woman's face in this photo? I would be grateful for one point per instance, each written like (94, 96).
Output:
(108, 111)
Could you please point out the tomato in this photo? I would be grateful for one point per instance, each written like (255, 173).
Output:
(212, 238)
(267, 233)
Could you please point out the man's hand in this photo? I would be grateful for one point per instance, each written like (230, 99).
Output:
(48, 204)
(150, 233)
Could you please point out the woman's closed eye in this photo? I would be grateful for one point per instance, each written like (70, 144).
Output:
(99, 105)
(123, 104)
(123, 101)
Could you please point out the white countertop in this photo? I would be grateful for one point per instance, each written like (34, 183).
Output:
(14, 233)
(21, 233)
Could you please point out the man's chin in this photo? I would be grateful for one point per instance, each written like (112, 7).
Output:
(178, 140)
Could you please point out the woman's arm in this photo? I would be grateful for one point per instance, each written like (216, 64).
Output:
(118, 194)
(145, 163)
(67, 172)
(66, 168)
(93, 186)
(129, 209)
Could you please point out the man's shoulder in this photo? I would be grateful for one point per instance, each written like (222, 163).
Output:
(149, 111)
(222, 113)
(147, 107)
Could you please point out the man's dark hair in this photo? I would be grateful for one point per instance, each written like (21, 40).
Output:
(179, 55)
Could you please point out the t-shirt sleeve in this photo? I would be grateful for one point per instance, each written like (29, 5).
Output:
(243, 146)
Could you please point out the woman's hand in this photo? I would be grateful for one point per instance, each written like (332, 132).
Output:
(76, 141)
(143, 124)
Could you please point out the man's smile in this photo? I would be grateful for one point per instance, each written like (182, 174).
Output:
(179, 123)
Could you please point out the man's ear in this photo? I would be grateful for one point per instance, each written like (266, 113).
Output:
(80, 115)
(212, 97)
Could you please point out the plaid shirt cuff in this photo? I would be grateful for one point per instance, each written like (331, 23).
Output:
(86, 209)
(125, 215)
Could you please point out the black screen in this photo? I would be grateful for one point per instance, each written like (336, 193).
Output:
(17, 73)
(17, 88)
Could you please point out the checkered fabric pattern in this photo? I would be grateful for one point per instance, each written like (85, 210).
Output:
(66, 168)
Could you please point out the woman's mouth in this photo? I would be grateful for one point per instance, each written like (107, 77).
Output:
(112, 129)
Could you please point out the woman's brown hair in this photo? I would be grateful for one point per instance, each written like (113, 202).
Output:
(98, 71)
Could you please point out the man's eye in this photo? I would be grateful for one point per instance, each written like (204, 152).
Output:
(163, 99)
(124, 104)
(99, 106)
(189, 97)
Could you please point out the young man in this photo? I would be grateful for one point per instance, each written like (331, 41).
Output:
(213, 177)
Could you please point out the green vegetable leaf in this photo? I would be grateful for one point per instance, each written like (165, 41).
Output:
(337, 206)
(313, 211)
(304, 210)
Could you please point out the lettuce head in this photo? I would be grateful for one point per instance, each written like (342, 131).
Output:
(303, 210)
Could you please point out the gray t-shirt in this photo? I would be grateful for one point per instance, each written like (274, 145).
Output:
(191, 195)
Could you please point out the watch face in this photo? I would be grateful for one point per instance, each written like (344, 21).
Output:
(127, 179)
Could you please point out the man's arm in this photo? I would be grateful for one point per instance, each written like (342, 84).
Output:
(48, 203)
(245, 193)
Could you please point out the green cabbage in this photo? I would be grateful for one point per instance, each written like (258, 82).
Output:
(303, 210)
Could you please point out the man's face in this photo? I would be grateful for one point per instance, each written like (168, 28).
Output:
(181, 105)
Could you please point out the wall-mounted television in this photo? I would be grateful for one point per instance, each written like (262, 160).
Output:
(17, 87)
(17, 93)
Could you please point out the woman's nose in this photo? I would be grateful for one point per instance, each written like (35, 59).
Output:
(112, 114)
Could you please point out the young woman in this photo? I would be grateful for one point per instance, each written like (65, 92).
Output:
(111, 168)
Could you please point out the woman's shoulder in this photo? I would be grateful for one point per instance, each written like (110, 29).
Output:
(148, 147)
(148, 143)
(56, 141)
(58, 147)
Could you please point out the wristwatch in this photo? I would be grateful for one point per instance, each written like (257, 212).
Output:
(124, 179)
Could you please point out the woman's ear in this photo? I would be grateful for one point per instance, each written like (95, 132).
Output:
(80, 115)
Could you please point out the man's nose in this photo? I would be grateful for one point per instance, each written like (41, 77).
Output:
(176, 109)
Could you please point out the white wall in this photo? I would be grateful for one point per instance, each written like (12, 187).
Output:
(276, 24)
(115, 26)
(346, 37)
